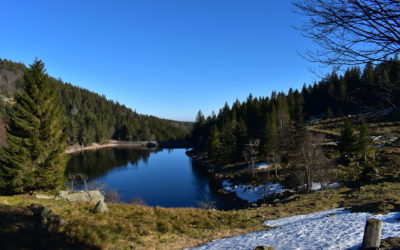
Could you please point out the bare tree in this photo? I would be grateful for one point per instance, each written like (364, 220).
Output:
(250, 153)
(310, 162)
(351, 32)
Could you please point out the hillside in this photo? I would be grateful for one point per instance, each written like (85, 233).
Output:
(91, 117)
(140, 227)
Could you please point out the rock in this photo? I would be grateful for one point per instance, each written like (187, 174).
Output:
(43, 196)
(264, 248)
(40, 211)
(94, 196)
(101, 207)
(55, 220)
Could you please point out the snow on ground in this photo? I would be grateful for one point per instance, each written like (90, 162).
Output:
(332, 229)
(252, 194)
(318, 186)
(260, 165)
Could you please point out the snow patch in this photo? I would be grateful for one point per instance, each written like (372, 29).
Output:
(260, 165)
(318, 186)
(252, 194)
(331, 229)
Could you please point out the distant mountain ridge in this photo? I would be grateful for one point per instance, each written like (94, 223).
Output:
(91, 117)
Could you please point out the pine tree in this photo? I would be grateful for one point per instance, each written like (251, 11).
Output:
(215, 145)
(364, 142)
(347, 140)
(33, 158)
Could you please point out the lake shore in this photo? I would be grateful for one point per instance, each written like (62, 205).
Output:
(146, 145)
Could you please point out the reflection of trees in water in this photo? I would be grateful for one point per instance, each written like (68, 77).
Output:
(96, 163)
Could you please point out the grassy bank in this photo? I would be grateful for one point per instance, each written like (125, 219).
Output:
(141, 227)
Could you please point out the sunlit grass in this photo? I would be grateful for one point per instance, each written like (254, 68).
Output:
(142, 227)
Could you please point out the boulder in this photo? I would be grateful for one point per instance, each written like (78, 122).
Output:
(94, 196)
(44, 196)
(101, 207)
(264, 248)
(40, 212)
(45, 217)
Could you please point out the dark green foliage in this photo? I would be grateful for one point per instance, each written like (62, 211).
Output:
(92, 118)
(33, 158)
(278, 122)
(364, 142)
(348, 140)
(329, 113)
(215, 145)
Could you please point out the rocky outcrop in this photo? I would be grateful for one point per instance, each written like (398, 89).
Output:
(101, 207)
(94, 196)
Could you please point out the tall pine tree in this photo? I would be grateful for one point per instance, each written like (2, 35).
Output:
(33, 158)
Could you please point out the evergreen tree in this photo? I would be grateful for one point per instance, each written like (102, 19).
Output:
(270, 139)
(215, 145)
(364, 142)
(347, 140)
(329, 113)
(33, 158)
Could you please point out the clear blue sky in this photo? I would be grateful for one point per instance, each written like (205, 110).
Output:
(167, 58)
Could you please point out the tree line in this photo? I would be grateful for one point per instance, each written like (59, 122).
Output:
(277, 123)
(90, 117)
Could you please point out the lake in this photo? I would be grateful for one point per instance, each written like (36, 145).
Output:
(164, 178)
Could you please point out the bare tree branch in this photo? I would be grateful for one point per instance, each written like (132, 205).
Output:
(351, 32)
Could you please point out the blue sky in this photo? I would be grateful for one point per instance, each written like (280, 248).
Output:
(167, 58)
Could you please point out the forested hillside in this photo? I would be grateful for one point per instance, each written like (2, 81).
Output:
(276, 122)
(90, 117)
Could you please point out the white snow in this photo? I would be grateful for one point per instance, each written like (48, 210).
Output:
(252, 194)
(334, 185)
(343, 230)
(260, 165)
(318, 186)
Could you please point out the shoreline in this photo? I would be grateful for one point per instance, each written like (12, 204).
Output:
(146, 145)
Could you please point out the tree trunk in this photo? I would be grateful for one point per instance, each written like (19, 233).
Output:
(372, 234)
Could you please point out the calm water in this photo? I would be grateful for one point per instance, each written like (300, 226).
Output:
(165, 178)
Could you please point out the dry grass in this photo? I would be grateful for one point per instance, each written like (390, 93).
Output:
(141, 227)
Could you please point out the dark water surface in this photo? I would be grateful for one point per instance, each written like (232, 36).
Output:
(165, 178)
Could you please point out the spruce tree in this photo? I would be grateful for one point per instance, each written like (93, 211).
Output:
(347, 140)
(364, 142)
(33, 158)
(215, 145)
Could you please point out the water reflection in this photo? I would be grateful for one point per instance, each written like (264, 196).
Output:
(161, 178)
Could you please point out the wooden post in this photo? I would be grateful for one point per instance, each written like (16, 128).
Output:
(372, 234)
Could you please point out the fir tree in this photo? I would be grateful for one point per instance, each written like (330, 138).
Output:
(364, 142)
(347, 140)
(215, 145)
(33, 158)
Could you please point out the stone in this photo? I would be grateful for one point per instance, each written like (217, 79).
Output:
(263, 248)
(55, 220)
(40, 212)
(44, 196)
(94, 196)
(101, 207)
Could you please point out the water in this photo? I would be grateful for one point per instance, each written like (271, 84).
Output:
(165, 178)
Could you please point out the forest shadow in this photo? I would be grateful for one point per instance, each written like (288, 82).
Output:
(19, 229)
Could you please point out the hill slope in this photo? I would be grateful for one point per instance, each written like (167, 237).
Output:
(91, 117)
